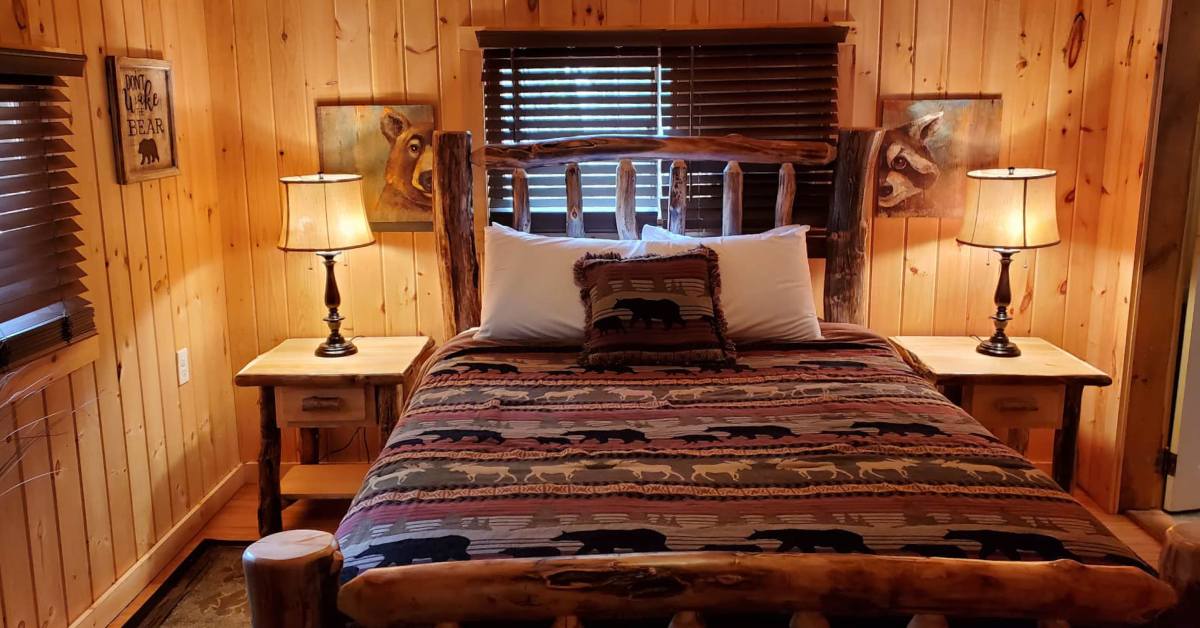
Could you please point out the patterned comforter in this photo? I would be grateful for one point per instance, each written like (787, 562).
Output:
(833, 446)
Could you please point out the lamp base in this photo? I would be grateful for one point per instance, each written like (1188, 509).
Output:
(332, 349)
(999, 348)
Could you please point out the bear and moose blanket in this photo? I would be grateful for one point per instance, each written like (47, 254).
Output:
(830, 446)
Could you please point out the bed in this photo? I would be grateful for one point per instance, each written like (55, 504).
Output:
(815, 480)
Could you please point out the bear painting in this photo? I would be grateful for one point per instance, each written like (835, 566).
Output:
(391, 146)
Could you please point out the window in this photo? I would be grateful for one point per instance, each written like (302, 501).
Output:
(41, 307)
(670, 82)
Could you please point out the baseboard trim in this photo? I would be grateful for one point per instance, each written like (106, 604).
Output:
(127, 587)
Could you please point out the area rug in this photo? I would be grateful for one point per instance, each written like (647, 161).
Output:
(207, 589)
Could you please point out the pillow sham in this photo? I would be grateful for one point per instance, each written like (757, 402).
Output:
(768, 293)
(528, 288)
(652, 309)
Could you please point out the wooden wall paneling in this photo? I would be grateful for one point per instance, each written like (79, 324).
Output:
(421, 83)
(655, 12)
(492, 11)
(387, 85)
(1061, 147)
(194, 247)
(77, 28)
(120, 289)
(829, 10)
(583, 13)
(1100, 349)
(16, 570)
(759, 11)
(1105, 470)
(629, 12)
(725, 11)
(888, 272)
(137, 262)
(92, 476)
(37, 485)
(692, 11)
(964, 71)
(520, 12)
(1028, 131)
(255, 85)
(800, 10)
(929, 77)
(550, 13)
(68, 497)
(232, 197)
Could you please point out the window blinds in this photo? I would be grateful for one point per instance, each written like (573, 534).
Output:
(700, 82)
(41, 306)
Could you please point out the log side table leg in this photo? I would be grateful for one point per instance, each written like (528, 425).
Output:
(270, 507)
(1065, 438)
(387, 411)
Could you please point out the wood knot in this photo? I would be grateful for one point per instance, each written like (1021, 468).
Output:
(635, 584)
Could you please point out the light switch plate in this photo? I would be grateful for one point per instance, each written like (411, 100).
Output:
(185, 369)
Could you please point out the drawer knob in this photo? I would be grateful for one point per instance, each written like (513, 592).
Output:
(318, 404)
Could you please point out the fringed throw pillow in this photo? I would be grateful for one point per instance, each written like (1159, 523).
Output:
(653, 310)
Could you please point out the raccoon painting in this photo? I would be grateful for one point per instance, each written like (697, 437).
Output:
(906, 166)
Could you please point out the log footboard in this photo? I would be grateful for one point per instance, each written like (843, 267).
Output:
(291, 577)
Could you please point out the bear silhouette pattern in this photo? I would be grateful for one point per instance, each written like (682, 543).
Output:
(900, 429)
(752, 431)
(455, 436)
(647, 311)
(1011, 544)
(609, 324)
(801, 540)
(603, 436)
(437, 549)
(614, 541)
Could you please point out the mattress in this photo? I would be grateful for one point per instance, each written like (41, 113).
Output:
(833, 446)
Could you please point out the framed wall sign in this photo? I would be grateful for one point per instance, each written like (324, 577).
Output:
(142, 106)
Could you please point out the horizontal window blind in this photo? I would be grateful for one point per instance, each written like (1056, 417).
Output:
(785, 90)
(41, 287)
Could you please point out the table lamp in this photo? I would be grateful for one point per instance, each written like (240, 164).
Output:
(324, 214)
(1008, 210)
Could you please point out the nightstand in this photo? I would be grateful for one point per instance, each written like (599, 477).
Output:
(301, 390)
(1041, 388)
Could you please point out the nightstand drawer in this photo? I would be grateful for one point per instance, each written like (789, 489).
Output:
(323, 407)
(1009, 406)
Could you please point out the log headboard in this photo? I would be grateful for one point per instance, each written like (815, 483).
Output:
(853, 160)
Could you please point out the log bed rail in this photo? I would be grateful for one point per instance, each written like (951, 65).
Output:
(686, 586)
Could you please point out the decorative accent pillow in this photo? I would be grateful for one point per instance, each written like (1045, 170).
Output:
(653, 310)
(768, 291)
(528, 290)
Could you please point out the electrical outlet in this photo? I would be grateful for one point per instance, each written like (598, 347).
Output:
(185, 368)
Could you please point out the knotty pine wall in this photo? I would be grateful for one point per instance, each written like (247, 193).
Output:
(1075, 76)
(131, 450)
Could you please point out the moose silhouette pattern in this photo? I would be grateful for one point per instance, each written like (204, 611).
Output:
(519, 451)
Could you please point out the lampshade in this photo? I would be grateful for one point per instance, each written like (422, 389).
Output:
(1010, 208)
(324, 212)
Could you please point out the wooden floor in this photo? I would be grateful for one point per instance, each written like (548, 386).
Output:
(238, 521)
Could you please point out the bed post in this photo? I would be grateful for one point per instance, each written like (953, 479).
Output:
(292, 579)
(849, 225)
(1179, 567)
(454, 230)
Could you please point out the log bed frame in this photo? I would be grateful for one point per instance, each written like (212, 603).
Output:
(292, 576)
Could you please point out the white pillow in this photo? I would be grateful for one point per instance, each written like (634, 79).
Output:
(766, 289)
(529, 290)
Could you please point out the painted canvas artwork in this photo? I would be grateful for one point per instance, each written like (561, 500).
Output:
(928, 148)
(391, 146)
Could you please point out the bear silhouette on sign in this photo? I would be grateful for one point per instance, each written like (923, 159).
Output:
(650, 310)
(148, 149)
